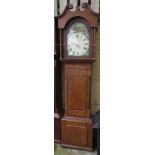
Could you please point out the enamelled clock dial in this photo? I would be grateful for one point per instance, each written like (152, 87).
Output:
(78, 40)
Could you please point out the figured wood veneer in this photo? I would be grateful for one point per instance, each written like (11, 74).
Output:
(77, 132)
(77, 84)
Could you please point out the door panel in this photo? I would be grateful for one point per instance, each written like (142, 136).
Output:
(77, 88)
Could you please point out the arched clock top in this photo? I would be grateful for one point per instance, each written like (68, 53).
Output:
(87, 14)
(78, 40)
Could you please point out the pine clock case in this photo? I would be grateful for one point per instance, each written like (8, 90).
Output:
(76, 124)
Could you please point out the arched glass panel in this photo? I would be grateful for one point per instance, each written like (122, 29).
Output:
(78, 40)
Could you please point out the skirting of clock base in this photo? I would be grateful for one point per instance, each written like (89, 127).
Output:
(76, 132)
(57, 128)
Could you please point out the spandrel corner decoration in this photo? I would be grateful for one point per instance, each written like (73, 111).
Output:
(76, 47)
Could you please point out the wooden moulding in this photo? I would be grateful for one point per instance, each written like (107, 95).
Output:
(77, 133)
(87, 14)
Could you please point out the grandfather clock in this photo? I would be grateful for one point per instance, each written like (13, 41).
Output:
(77, 52)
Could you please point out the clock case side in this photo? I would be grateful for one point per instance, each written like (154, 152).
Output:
(58, 110)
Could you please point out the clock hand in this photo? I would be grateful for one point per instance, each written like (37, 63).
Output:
(72, 42)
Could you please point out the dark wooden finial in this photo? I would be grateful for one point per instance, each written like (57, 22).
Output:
(78, 5)
(78, 2)
(58, 7)
(85, 5)
(68, 1)
(89, 2)
(70, 6)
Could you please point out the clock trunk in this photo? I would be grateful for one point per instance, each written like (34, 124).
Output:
(76, 124)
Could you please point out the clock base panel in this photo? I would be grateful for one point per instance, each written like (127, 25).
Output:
(76, 132)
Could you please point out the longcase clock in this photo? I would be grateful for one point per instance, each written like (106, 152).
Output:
(77, 52)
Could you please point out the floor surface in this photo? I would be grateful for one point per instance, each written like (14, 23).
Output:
(58, 150)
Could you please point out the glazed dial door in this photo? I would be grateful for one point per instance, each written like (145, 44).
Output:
(78, 40)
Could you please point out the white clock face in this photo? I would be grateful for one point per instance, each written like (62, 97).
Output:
(78, 40)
